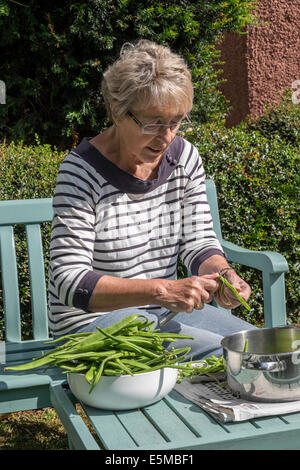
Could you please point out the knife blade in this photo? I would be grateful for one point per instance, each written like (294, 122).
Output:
(166, 317)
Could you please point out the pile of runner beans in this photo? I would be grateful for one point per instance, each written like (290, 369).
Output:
(131, 346)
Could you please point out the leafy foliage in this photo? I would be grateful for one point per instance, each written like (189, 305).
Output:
(53, 55)
(282, 121)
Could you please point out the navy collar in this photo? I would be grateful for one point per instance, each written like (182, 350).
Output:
(122, 180)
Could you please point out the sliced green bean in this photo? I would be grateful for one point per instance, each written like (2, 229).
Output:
(71, 336)
(90, 374)
(142, 342)
(164, 335)
(37, 362)
(100, 370)
(112, 372)
(122, 365)
(85, 355)
(75, 369)
(126, 344)
(93, 339)
(136, 364)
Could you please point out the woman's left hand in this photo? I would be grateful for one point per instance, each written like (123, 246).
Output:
(225, 298)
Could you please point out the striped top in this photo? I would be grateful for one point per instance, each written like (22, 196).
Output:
(108, 222)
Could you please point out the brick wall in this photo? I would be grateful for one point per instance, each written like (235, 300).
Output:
(260, 65)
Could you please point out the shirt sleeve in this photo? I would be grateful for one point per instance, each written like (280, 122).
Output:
(73, 236)
(198, 240)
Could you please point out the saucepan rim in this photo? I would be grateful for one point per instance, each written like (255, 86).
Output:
(249, 333)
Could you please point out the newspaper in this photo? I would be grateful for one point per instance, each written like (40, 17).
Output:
(219, 402)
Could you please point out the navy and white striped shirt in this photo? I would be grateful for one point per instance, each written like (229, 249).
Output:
(108, 222)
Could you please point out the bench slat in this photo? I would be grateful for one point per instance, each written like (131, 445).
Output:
(193, 416)
(37, 281)
(167, 422)
(140, 428)
(78, 432)
(110, 430)
(26, 211)
(10, 284)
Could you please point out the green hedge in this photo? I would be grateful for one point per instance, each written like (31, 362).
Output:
(258, 193)
(53, 55)
(282, 120)
(27, 172)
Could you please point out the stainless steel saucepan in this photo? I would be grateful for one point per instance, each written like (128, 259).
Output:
(264, 364)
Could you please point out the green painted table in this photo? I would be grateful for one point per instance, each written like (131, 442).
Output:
(173, 423)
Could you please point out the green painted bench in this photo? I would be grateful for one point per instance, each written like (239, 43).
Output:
(38, 389)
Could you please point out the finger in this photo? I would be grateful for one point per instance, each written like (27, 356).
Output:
(205, 298)
(211, 276)
(205, 295)
(204, 277)
(199, 285)
(210, 285)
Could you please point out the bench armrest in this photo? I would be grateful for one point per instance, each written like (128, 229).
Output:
(273, 266)
(269, 261)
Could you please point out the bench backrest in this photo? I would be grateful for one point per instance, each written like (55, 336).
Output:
(31, 213)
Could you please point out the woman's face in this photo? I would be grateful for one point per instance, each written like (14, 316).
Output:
(148, 148)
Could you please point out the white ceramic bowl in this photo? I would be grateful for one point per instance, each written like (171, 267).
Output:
(124, 392)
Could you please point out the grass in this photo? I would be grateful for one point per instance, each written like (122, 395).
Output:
(32, 430)
(36, 430)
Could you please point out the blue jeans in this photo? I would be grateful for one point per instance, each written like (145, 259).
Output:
(207, 326)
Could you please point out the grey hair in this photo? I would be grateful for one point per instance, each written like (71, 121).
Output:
(147, 74)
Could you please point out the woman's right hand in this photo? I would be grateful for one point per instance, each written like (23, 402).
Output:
(184, 295)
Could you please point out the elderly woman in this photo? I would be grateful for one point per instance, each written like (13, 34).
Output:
(128, 203)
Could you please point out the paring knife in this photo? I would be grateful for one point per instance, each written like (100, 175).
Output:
(166, 317)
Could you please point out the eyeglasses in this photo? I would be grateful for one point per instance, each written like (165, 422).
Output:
(152, 129)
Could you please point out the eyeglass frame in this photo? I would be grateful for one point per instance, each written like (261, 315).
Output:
(162, 126)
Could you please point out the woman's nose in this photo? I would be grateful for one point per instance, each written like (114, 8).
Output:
(166, 135)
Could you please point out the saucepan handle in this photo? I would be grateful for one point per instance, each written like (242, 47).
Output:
(265, 366)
